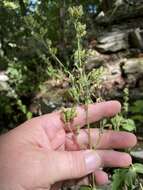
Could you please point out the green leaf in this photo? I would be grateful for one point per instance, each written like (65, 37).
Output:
(116, 121)
(29, 115)
(137, 107)
(129, 125)
(137, 117)
(138, 168)
(118, 179)
(11, 5)
(85, 188)
(130, 177)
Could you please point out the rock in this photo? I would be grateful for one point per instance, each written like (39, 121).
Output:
(3, 77)
(107, 5)
(120, 25)
(119, 29)
(119, 71)
(101, 17)
(133, 72)
(136, 93)
(136, 39)
(113, 41)
(134, 66)
(112, 79)
(50, 98)
(119, 36)
(3, 86)
(120, 10)
(4, 82)
(137, 153)
(95, 60)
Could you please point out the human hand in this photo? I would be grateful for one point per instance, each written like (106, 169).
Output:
(39, 153)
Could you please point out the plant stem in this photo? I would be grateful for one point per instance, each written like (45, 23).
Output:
(88, 127)
(79, 50)
(141, 186)
(85, 88)
(90, 143)
(55, 57)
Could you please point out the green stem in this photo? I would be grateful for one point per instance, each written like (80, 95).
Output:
(79, 50)
(141, 186)
(90, 142)
(88, 127)
(55, 57)
(101, 128)
(87, 94)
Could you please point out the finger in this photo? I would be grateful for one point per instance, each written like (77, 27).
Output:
(63, 165)
(101, 177)
(111, 158)
(84, 181)
(76, 164)
(96, 112)
(105, 140)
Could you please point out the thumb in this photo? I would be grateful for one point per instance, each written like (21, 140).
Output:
(71, 165)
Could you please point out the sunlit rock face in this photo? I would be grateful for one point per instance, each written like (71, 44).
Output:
(116, 10)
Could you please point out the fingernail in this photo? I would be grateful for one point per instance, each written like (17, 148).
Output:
(92, 161)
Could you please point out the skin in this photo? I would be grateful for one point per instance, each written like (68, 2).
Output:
(40, 154)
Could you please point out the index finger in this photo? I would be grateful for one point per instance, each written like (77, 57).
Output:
(96, 112)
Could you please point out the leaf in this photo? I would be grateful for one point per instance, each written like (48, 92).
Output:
(130, 177)
(128, 125)
(85, 188)
(137, 107)
(118, 179)
(11, 5)
(124, 178)
(138, 168)
(137, 117)
(29, 115)
(116, 121)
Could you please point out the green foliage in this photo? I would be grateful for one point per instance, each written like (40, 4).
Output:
(126, 100)
(34, 46)
(68, 114)
(128, 125)
(127, 178)
(24, 110)
(76, 13)
(136, 110)
(83, 85)
(119, 122)
(138, 168)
